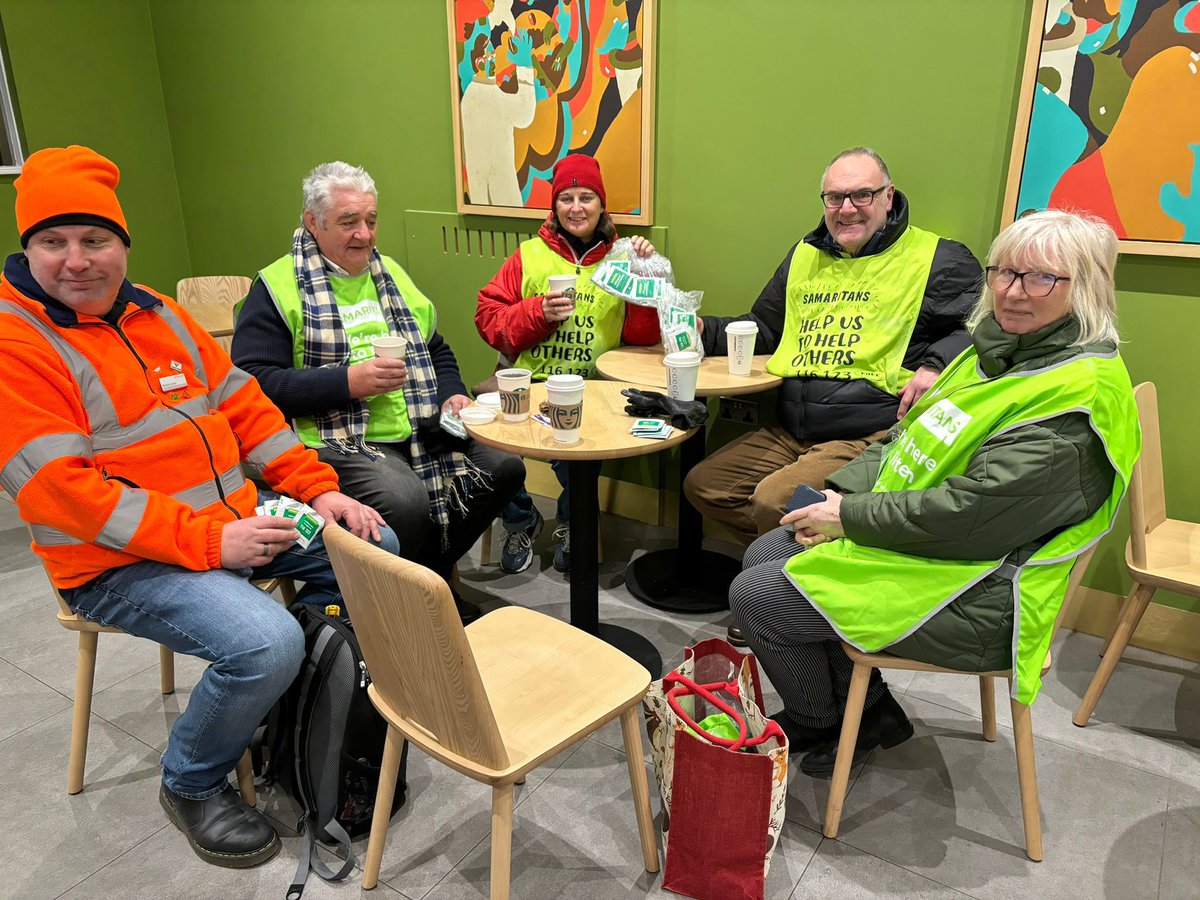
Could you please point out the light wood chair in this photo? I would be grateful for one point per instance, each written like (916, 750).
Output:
(1022, 722)
(85, 676)
(211, 299)
(1161, 552)
(493, 700)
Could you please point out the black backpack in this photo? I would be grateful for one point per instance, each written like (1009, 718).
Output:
(324, 744)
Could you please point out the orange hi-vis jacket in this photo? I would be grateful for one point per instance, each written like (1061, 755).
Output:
(122, 444)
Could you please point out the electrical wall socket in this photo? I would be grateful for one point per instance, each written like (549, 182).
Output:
(734, 409)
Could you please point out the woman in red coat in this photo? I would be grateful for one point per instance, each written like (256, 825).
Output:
(554, 332)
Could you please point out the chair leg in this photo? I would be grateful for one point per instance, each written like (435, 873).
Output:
(389, 771)
(166, 668)
(245, 778)
(485, 548)
(502, 815)
(987, 704)
(1131, 613)
(85, 675)
(845, 754)
(287, 590)
(630, 729)
(1027, 778)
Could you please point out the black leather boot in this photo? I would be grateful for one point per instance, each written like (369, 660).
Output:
(804, 737)
(222, 830)
(734, 635)
(883, 725)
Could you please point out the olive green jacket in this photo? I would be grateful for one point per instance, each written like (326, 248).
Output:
(1020, 489)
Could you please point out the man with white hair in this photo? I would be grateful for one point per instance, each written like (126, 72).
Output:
(306, 331)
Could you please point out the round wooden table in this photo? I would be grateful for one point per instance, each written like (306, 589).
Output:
(687, 578)
(603, 435)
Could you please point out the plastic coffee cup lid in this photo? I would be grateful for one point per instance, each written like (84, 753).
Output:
(564, 381)
(490, 400)
(741, 328)
(682, 358)
(477, 415)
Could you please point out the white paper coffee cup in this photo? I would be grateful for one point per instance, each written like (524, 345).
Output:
(566, 284)
(564, 395)
(390, 346)
(682, 370)
(514, 394)
(739, 339)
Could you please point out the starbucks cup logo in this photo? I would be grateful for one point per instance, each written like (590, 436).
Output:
(566, 417)
(515, 402)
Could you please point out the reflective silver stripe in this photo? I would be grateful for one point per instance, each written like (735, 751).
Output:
(270, 449)
(102, 415)
(46, 536)
(155, 422)
(36, 453)
(206, 493)
(230, 385)
(118, 531)
(1023, 373)
(185, 337)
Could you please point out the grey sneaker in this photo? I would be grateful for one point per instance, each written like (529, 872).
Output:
(562, 548)
(518, 546)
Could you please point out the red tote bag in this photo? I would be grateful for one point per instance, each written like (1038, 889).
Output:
(723, 799)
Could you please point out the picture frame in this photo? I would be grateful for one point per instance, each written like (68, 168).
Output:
(1108, 121)
(534, 80)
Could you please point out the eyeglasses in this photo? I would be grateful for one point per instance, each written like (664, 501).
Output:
(1035, 284)
(860, 198)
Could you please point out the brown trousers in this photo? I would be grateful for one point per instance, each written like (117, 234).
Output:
(746, 485)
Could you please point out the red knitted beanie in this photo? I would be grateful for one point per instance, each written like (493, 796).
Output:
(578, 170)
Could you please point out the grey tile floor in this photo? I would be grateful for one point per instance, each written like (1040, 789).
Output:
(936, 817)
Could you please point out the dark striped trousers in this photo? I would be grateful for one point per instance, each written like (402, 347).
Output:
(796, 646)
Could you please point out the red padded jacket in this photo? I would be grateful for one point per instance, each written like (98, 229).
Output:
(512, 323)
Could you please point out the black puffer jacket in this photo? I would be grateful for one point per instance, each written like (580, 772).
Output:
(821, 409)
(1019, 490)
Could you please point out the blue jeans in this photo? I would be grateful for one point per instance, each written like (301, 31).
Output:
(254, 644)
(518, 512)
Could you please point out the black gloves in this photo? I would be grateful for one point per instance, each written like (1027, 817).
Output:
(683, 414)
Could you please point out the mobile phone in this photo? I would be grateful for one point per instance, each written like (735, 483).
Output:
(804, 496)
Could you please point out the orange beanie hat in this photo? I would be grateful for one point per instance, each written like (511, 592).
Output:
(71, 186)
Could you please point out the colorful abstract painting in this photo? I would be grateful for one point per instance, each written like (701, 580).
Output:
(534, 80)
(1109, 120)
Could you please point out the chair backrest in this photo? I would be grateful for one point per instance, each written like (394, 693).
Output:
(66, 616)
(1078, 570)
(226, 289)
(216, 290)
(1147, 497)
(415, 647)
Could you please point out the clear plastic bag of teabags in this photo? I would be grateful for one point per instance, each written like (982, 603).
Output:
(650, 281)
(678, 317)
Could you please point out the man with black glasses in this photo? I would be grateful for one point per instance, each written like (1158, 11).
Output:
(860, 317)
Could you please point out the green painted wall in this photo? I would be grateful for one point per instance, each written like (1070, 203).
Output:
(750, 108)
(86, 73)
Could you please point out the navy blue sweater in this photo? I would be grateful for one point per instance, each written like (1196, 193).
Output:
(262, 346)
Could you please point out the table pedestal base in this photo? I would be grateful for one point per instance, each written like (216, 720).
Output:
(689, 583)
(634, 646)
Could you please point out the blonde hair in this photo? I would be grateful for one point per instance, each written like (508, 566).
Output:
(1077, 245)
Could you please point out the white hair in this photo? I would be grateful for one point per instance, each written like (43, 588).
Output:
(328, 177)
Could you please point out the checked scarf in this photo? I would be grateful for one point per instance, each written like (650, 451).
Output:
(447, 476)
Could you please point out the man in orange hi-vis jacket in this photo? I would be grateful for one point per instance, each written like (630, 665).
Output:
(126, 427)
